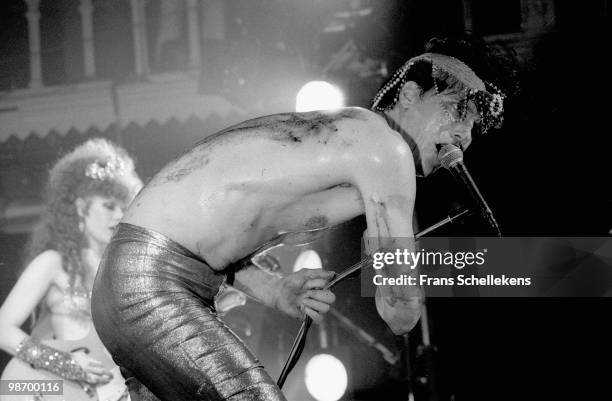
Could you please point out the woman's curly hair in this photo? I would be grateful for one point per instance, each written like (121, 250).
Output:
(96, 167)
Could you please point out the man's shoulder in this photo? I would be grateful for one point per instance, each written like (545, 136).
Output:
(354, 114)
(361, 115)
(367, 115)
(373, 127)
(332, 128)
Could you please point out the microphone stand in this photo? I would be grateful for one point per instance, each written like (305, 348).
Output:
(365, 337)
(427, 352)
(300, 339)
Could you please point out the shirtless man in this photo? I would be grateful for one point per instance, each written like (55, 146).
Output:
(245, 186)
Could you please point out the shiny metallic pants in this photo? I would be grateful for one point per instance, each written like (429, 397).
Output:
(152, 306)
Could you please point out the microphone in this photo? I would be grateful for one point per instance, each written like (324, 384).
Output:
(451, 158)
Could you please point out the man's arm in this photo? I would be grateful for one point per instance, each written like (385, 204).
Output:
(385, 176)
(290, 293)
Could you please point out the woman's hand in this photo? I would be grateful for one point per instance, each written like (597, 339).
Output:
(94, 370)
(302, 293)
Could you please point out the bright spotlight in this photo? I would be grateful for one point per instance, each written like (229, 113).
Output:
(318, 95)
(307, 259)
(326, 377)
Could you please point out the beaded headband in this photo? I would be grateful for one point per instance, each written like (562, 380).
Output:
(99, 170)
(487, 98)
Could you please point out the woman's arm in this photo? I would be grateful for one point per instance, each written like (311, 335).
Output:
(27, 293)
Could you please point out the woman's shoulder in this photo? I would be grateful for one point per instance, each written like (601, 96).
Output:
(50, 256)
(38, 276)
(47, 263)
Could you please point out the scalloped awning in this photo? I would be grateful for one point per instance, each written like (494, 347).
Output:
(100, 104)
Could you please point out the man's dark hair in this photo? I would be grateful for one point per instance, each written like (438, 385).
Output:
(490, 64)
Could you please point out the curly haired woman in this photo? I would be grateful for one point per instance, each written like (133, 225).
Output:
(87, 191)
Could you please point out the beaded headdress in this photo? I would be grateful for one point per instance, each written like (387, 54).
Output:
(447, 71)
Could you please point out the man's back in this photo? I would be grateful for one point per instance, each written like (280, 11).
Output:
(243, 186)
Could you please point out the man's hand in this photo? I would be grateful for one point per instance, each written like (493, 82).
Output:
(302, 293)
(401, 315)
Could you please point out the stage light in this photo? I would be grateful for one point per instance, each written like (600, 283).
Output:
(307, 259)
(318, 95)
(326, 378)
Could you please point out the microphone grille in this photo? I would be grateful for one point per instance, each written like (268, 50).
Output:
(449, 155)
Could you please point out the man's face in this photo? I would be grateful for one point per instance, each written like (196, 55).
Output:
(437, 120)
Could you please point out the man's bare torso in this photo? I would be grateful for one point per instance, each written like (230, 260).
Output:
(245, 185)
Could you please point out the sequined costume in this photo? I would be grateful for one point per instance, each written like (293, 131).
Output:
(153, 308)
(73, 303)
